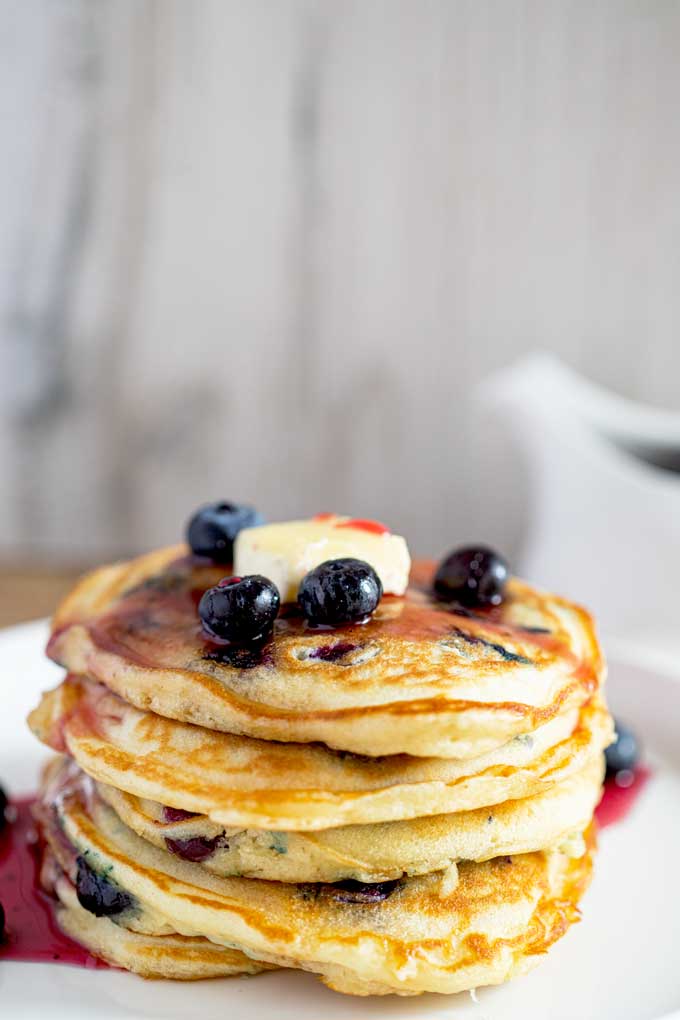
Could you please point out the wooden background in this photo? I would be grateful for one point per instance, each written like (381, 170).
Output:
(265, 250)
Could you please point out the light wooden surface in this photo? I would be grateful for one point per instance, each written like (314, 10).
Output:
(29, 595)
(264, 250)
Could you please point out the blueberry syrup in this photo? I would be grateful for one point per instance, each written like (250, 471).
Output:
(361, 524)
(331, 653)
(162, 613)
(504, 653)
(257, 653)
(31, 931)
(349, 891)
(196, 848)
(357, 523)
(173, 814)
(620, 794)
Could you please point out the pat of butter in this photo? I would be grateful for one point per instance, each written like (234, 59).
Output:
(286, 552)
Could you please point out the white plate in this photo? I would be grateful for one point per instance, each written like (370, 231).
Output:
(621, 963)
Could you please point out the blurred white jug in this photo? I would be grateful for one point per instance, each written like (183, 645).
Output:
(604, 523)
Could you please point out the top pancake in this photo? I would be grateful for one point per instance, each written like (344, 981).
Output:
(421, 677)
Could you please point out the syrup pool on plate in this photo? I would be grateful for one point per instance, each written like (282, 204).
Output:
(626, 776)
(31, 931)
(621, 791)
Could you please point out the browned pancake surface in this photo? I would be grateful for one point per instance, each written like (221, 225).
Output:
(420, 677)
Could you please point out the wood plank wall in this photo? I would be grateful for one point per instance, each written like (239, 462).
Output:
(266, 248)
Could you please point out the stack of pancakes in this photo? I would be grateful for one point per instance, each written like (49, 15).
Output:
(399, 806)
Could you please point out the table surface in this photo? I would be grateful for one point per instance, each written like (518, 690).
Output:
(29, 594)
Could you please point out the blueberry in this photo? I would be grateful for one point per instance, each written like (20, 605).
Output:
(196, 848)
(339, 591)
(213, 528)
(331, 653)
(240, 608)
(3, 805)
(474, 576)
(98, 894)
(256, 653)
(624, 752)
(172, 814)
(351, 891)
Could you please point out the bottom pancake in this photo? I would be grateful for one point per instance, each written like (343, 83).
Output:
(180, 957)
(440, 932)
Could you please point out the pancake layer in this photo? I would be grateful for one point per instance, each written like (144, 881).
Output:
(420, 677)
(370, 853)
(242, 782)
(180, 957)
(422, 934)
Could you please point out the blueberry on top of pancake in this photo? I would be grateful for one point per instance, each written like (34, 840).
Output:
(420, 676)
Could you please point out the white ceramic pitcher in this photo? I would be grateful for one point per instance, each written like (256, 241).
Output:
(605, 501)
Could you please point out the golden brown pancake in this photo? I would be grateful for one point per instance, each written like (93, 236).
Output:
(180, 957)
(420, 934)
(420, 677)
(370, 853)
(239, 781)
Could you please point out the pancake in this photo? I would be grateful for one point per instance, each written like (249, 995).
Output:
(417, 935)
(242, 782)
(370, 853)
(420, 677)
(182, 957)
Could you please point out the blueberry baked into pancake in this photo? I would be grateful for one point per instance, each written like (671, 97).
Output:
(285, 745)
